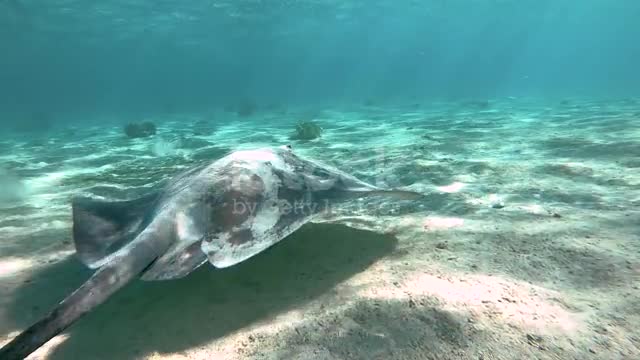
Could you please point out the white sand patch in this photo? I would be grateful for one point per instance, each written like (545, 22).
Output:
(433, 223)
(452, 188)
(49, 348)
(520, 304)
(40, 225)
(13, 265)
(535, 209)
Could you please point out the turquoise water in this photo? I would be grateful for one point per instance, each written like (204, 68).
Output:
(520, 121)
(68, 61)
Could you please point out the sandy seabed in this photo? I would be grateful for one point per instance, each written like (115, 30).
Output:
(527, 247)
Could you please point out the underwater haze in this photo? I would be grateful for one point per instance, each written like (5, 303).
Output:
(518, 122)
(114, 56)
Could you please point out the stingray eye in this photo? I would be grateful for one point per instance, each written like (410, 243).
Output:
(289, 147)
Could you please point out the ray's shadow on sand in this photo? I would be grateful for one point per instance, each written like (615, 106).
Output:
(177, 315)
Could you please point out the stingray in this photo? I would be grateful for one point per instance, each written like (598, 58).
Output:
(223, 213)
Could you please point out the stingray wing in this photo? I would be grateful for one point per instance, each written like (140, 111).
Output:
(254, 214)
(101, 228)
(258, 234)
(246, 206)
(267, 201)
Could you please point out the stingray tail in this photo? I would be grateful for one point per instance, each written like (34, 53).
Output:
(111, 277)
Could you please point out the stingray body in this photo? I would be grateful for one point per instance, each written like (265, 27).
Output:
(222, 213)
